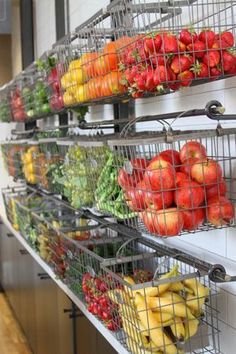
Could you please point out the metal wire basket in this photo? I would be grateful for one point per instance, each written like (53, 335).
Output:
(16, 102)
(175, 312)
(11, 153)
(9, 198)
(177, 183)
(5, 109)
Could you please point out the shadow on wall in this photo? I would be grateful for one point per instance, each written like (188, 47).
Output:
(5, 59)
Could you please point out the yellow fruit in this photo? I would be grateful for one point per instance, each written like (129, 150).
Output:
(33, 149)
(74, 64)
(29, 168)
(68, 99)
(77, 76)
(32, 179)
(27, 158)
(16, 227)
(80, 93)
(65, 81)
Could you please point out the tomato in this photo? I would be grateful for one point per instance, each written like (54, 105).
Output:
(110, 56)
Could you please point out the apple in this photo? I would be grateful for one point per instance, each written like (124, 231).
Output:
(169, 222)
(189, 195)
(216, 189)
(159, 200)
(193, 218)
(149, 217)
(220, 211)
(192, 149)
(135, 197)
(133, 173)
(187, 165)
(159, 175)
(171, 156)
(206, 171)
(180, 176)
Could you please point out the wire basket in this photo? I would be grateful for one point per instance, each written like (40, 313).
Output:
(9, 198)
(16, 102)
(28, 158)
(175, 312)
(12, 152)
(177, 183)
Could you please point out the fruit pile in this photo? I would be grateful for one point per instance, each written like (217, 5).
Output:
(53, 81)
(157, 318)
(17, 106)
(162, 61)
(12, 159)
(177, 191)
(28, 159)
(95, 289)
(5, 114)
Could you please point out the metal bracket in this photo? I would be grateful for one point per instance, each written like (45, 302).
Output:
(218, 274)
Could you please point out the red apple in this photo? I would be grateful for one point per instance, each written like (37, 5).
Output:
(192, 149)
(189, 195)
(149, 217)
(159, 175)
(206, 171)
(135, 197)
(193, 218)
(159, 200)
(180, 176)
(216, 189)
(169, 222)
(187, 165)
(132, 173)
(220, 211)
(171, 156)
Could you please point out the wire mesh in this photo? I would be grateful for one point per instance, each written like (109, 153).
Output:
(177, 186)
(5, 109)
(11, 153)
(163, 305)
(16, 102)
(9, 198)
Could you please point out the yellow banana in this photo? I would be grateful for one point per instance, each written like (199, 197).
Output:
(195, 303)
(163, 323)
(173, 297)
(176, 287)
(199, 289)
(135, 350)
(166, 305)
(188, 290)
(178, 329)
(163, 317)
(157, 335)
(191, 326)
(132, 332)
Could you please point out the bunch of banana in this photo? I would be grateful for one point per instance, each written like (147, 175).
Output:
(156, 319)
(44, 250)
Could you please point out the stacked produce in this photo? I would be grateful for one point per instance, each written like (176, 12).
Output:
(12, 159)
(5, 112)
(28, 100)
(53, 69)
(177, 191)
(41, 98)
(82, 168)
(28, 159)
(108, 194)
(17, 106)
(163, 61)
(159, 319)
(10, 204)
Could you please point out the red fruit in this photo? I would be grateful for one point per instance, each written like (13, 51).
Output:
(206, 171)
(185, 78)
(131, 73)
(158, 60)
(226, 40)
(135, 197)
(189, 195)
(198, 49)
(187, 165)
(159, 175)
(171, 156)
(193, 218)
(228, 61)
(140, 83)
(208, 37)
(215, 72)
(187, 37)
(169, 43)
(133, 173)
(211, 58)
(181, 176)
(192, 149)
(112, 326)
(125, 180)
(201, 70)
(161, 75)
(150, 85)
(159, 200)
(169, 222)
(182, 47)
(220, 211)
(106, 316)
(180, 63)
(232, 71)
(149, 219)
(216, 189)
(152, 43)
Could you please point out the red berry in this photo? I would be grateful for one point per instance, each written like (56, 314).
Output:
(185, 78)
(228, 61)
(169, 43)
(180, 63)
(187, 37)
(198, 49)
(208, 37)
(211, 58)
(226, 40)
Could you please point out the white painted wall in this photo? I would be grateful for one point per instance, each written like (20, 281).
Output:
(215, 246)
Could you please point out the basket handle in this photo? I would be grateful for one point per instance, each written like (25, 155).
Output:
(125, 244)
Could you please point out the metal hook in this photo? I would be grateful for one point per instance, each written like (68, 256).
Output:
(125, 244)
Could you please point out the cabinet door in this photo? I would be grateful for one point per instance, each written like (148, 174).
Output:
(86, 336)
(65, 323)
(47, 333)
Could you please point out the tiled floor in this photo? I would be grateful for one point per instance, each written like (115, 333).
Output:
(12, 340)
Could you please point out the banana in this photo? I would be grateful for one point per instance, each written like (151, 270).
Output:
(163, 317)
(199, 290)
(131, 330)
(167, 305)
(135, 350)
(176, 287)
(157, 335)
(178, 329)
(191, 326)
(173, 297)
(188, 290)
(195, 303)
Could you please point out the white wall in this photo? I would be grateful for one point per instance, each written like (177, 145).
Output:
(214, 246)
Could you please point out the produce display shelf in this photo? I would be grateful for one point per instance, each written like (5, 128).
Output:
(95, 322)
